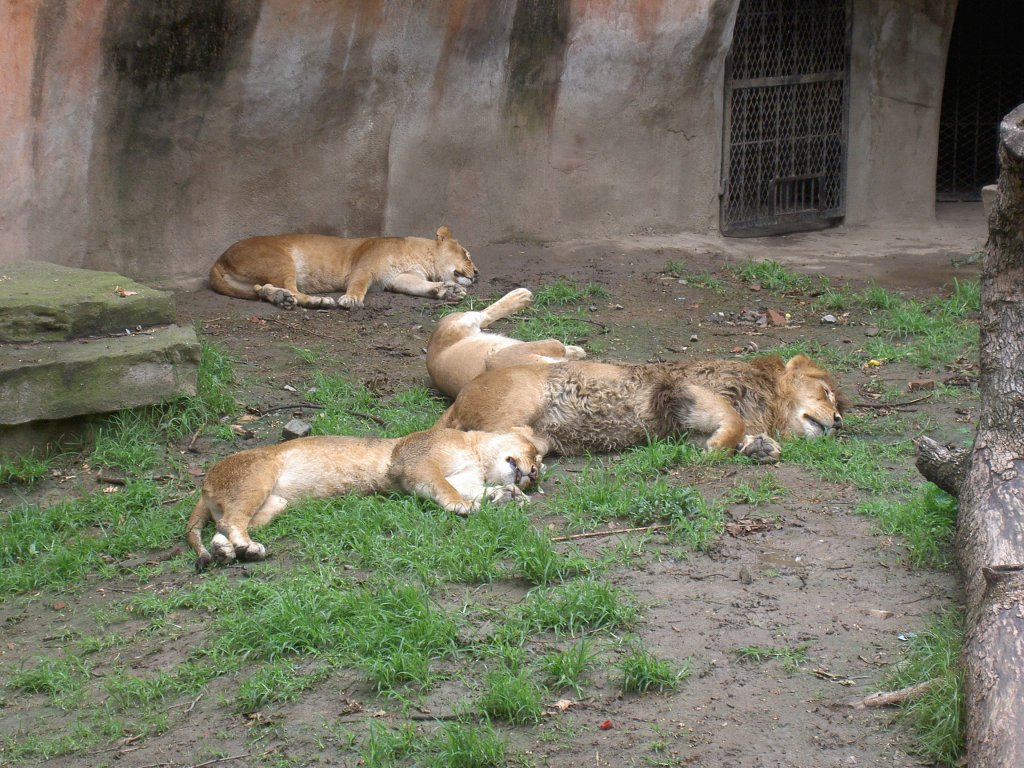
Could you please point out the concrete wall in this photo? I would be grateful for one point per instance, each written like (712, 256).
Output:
(146, 137)
(897, 70)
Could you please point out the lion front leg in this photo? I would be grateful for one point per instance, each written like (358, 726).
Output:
(760, 448)
(505, 494)
(414, 285)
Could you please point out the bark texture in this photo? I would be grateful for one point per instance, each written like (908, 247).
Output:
(990, 531)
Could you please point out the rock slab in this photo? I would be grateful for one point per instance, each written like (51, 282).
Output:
(76, 342)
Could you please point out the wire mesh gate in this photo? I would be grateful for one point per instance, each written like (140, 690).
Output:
(784, 155)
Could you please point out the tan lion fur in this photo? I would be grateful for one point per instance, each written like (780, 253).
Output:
(461, 349)
(584, 406)
(455, 469)
(285, 269)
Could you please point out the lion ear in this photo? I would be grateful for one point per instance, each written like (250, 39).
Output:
(797, 361)
(443, 233)
(539, 442)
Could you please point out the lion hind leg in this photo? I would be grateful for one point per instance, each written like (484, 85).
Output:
(279, 297)
(524, 353)
(509, 304)
(290, 297)
(712, 414)
(232, 540)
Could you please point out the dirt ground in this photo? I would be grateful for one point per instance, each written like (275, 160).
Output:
(818, 576)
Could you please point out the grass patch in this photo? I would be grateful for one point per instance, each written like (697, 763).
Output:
(704, 280)
(862, 464)
(790, 658)
(562, 292)
(925, 521)
(642, 671)
(936, 717)
(59, 545)
(512, 696)
(352, 409)
(774, 277)
(26, 469)
(564, 669)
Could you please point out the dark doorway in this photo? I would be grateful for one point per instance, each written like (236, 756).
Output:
(786, 93)
(984, 82)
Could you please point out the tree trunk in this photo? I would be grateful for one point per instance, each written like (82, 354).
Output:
(990, 529)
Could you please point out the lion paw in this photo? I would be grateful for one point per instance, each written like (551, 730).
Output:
(223, 550)
(255, 551)
(349, 302)
(279, 297)
(503, 494)
(321, 302)
(572, 352)
(760, 448)
(462, 508)
(451, 292)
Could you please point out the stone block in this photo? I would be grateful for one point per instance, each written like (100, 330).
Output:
(40, 301)
(58, 380)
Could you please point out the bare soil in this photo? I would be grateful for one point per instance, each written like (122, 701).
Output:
(816, 574)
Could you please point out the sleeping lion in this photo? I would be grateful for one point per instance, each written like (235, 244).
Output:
(582, 406)
(455, 469)
(460, 349)
(285, 269)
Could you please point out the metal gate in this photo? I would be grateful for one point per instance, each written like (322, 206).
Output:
(786, 94)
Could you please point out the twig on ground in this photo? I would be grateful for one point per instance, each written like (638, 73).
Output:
(884, 406)
(220, 760)
(265, 411)
(612, 532)
(888, 698)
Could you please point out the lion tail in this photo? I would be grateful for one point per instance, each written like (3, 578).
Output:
(223, 281)
(194, 533)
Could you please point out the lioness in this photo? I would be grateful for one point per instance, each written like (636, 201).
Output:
(455, 469)
(585, 406)
(285, 269)
(460, 350)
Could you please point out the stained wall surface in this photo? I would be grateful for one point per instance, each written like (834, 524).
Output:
(145, 137)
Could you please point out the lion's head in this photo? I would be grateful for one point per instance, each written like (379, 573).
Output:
(452, 261)
(519, 454)
(815, 404)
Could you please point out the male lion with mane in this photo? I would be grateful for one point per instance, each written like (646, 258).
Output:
(583, 406)
(285, 269)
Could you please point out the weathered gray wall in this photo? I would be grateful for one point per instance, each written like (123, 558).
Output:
(145, 137)
(898, 66)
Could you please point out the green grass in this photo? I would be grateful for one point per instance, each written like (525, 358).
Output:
(767, 490)
(924, 520)
(790, 657)
(936, 718)
(24, 469)
(62, 679)
(61, 544)
(642, 671)
(562, 292)
(774, 277)
(873, 466)
(512, 696)
(565, 669)
(704, 280)
(352, 409)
